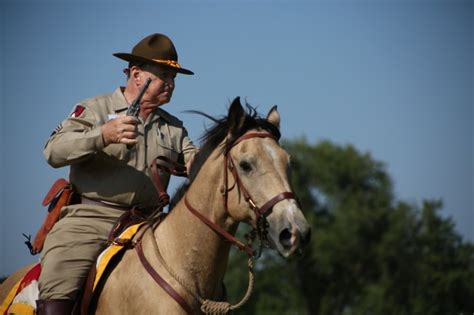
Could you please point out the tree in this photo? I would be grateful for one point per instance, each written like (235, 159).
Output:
(370, 253)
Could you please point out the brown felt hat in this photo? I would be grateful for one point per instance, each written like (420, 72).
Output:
(155, 49)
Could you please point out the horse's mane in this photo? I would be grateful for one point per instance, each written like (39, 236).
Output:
(215, 135)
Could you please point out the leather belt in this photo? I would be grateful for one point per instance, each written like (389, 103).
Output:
(106, 204)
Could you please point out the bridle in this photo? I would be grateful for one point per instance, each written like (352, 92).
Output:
(261, 213)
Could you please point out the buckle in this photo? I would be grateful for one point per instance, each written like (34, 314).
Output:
(252, 204)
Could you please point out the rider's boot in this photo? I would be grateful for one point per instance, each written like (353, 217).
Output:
(54, 307)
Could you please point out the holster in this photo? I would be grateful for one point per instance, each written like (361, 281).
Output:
(58, 196)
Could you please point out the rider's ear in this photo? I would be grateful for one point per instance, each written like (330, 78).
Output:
(236, 116)
(273, 117)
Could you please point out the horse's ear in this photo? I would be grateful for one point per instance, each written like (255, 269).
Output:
(236, 116)
(273, 117)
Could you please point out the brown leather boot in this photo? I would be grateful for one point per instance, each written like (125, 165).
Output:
(54, 307)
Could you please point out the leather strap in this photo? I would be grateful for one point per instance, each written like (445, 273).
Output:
(58, 186)
(241, 186)
(88, 292)
(61, 198)
(162, 195)
(259, 211)
(284, 195)
(220, 231)
(161, 282)
(176, 169)
(254, 135)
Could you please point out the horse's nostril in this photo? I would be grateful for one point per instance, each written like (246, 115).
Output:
(285, 238)
(306, 237)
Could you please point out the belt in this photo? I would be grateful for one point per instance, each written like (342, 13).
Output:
(106, 204)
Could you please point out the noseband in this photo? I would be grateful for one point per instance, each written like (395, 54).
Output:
(260, 212)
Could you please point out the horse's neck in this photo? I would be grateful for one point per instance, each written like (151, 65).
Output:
(189, 246)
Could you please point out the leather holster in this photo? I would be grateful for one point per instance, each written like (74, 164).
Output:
(58, 196)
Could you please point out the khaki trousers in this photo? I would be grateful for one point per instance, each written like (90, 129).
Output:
(71, 248)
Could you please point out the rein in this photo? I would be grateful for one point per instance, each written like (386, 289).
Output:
(208, 306)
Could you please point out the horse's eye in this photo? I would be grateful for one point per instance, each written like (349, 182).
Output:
(245, 166)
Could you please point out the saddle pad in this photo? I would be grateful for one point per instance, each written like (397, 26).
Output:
(22, 297)
(106, 256)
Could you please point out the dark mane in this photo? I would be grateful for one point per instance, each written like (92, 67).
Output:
(215, 135)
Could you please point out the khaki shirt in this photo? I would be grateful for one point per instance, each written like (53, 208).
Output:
(114, 173)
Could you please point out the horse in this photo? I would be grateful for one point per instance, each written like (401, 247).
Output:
(241, 174)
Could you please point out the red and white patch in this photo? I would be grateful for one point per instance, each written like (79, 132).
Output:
(78, 110)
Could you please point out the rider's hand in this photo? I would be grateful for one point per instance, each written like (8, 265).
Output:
(122, 129)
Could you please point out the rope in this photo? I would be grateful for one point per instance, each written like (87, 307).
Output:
(218, 307)
(208, 306)
(250, 286)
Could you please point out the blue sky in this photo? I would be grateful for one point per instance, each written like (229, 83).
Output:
(393, 78)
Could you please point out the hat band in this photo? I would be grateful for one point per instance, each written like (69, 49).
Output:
(170, 63)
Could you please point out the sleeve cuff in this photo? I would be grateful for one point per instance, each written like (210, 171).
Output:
(96, 135)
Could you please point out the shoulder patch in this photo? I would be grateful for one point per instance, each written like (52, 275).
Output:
(78, 110)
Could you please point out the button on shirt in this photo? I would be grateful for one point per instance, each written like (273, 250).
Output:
(115, 173)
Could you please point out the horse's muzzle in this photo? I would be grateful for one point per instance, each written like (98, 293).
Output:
(288, 232)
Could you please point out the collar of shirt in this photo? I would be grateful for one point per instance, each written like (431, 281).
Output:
(119, 101)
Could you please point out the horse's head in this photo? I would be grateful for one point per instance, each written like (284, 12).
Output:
(257, 182)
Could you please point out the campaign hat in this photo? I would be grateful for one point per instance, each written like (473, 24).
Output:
(155, 49)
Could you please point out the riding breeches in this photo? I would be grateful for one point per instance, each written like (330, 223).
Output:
(71, 248)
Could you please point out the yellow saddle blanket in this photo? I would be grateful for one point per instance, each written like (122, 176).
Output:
(22, 297)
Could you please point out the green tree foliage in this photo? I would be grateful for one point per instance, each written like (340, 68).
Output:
(370, 253)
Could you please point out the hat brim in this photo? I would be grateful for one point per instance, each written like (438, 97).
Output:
(132, 58)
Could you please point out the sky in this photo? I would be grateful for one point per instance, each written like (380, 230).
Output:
(393, 78)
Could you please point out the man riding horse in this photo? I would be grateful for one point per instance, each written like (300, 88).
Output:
(109, 154)
(240, 175)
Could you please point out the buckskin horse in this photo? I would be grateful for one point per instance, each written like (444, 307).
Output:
(241, 174)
